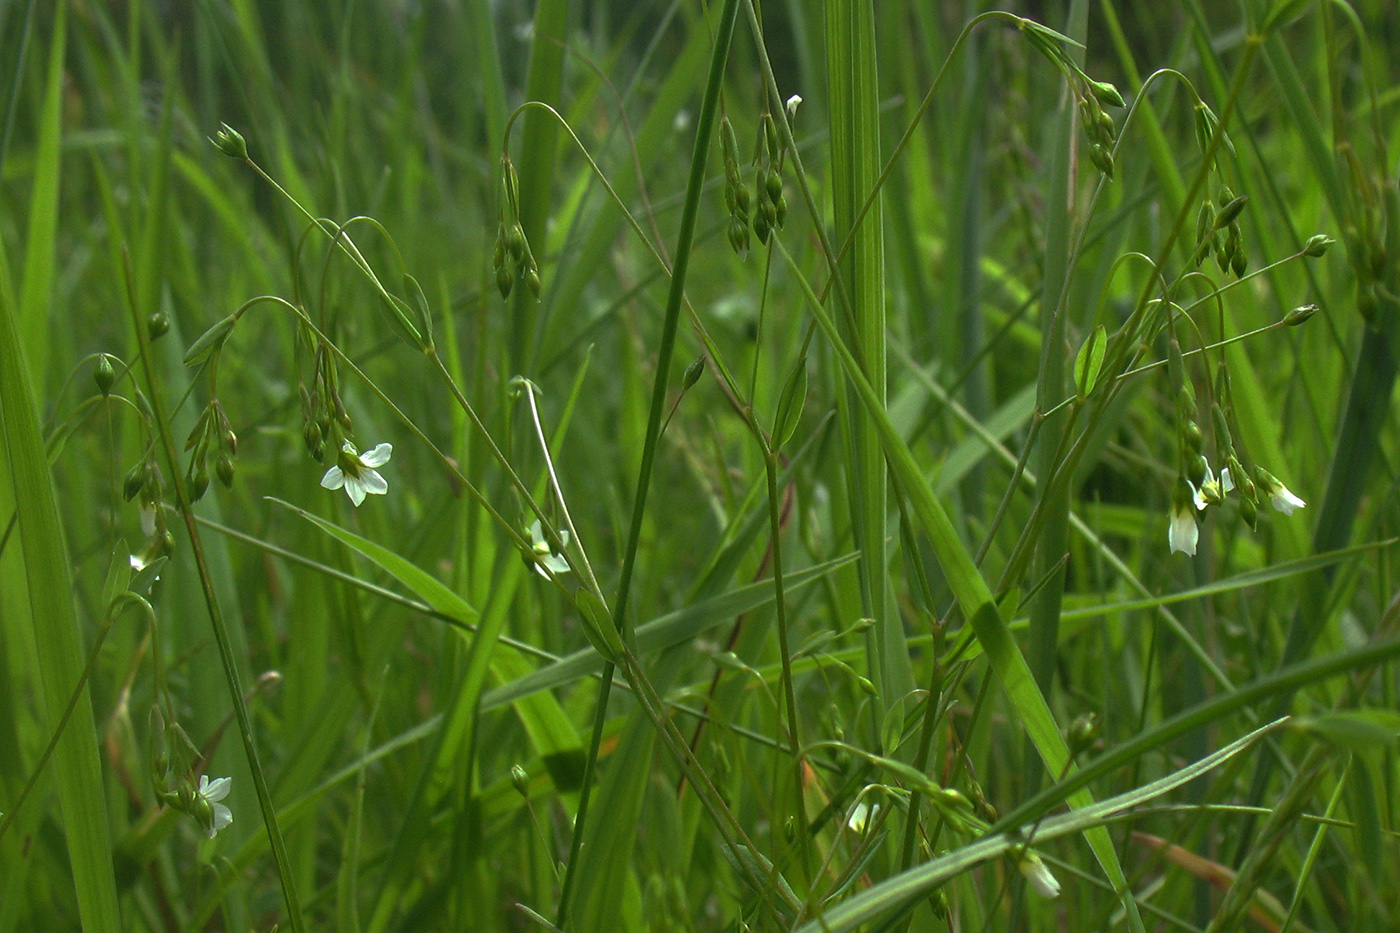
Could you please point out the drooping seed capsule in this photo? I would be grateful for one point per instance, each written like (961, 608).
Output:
(200, 484)
(135, 481)
(157, 324)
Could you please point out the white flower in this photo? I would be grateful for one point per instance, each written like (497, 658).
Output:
(1038, 875)
(792, 105)
(208, 796)
(547, 563)
(1278, 494)
(357, 473)
(1210, 491)
(148, 519)
(1226, 483)
(862, 814)
(1182, 533)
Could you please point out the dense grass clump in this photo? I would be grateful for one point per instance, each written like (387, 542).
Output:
(839, 465)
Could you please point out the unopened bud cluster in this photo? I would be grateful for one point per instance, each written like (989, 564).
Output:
(212, 438)
(772, 206)
(736, 195)
(1218, 232)
(512, 257)
(325, 422)
(1098, 125)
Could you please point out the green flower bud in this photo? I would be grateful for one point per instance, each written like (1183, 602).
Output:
(1196, 469)
(1083, 732)
(199, 484)
(780, 211)
(223, 466)
(1299, 314)
(311, 434)
(742, 199)
(1231, 210)
(1106, 125)
(515, 242)
(761, 227)
(1106, 94)
(134, 483)
(160, 747)
(1191, 437)
(1249, 511)
(231, 443)
(157, 324)
(230, 142)
(104, 375)
(520, 780)
(1317, 245)
(504, 280)
(1102, 159)
(498, 255)
(774, 184)
(532, 281)
(693, 372)
(1239, 263)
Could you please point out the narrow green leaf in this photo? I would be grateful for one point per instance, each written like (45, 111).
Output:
(790, 405)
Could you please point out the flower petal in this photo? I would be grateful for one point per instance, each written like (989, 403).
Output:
(214, 790)
(222, 817)
(148, 520)
(1182, 534)
(378, 456)
(1226, 482)
(373, 482)
(355, 489)
(334, 478)
(1285, 501)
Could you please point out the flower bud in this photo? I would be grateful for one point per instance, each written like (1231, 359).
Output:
(793, 103)
(223, 466)
(1299, 314)
(157, 324)
(199, 484)
(1102, 159)
(104, 375)
(1106, 94)
(1317, 245)
(520, 780)
(231, 443)
(1191, 437)
(1083, 732)
(1196, 469)
(774, 184)
(311, 434)
(230, 142)
(761, 227)
(532, 281)
(504, 280)
(693, 373)
(135, 482)
(1249, 511)
(1239, 263)
(515, 242)
(1230, 210)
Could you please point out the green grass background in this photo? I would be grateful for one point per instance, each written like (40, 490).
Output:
(882, 549)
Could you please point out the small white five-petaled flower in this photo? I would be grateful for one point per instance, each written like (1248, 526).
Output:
(1038, 875)
(209, 794)
(547, 563)
(357, 473)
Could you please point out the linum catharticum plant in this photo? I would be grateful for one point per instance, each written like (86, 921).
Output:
(858, 492)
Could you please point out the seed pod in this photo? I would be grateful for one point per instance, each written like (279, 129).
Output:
(1106, 126)
(1231, 210)
(231, 443)
(780, 211)
(104, 375)
(532, 281)
(498, 255)
(1239, 263)
(1249, 511)
(1196, 469)
(504, 280)
(157, 324)
(741, 196)
(515, 242)
(520, 780)
(693, 373)
(1102, 159)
